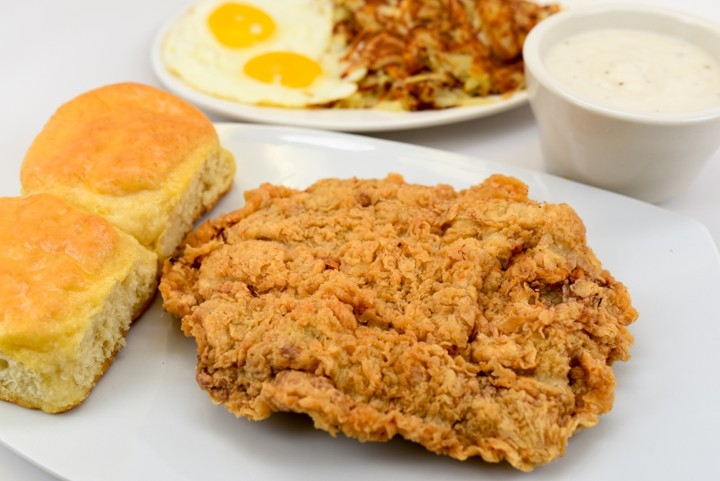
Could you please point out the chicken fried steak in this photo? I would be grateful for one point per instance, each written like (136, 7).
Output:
(476, 323)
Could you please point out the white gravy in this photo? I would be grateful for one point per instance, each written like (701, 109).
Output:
(636, 70)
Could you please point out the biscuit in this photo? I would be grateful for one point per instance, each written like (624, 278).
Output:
(142, 158)
(70, 286)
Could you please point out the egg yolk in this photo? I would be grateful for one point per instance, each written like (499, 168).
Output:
(239, 25)
(285, 68)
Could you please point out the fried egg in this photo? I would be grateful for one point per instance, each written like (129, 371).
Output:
(262, 52)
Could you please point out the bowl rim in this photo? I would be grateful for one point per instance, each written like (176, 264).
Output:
(535, 66)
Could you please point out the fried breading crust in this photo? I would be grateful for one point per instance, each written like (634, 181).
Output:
(476, 323)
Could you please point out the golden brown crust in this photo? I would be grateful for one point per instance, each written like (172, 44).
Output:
(147, 161)
(70, 286)
(116, 139)
(477, 323)
(49, 250)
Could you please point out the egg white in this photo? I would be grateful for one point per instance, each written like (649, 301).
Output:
(192, 52)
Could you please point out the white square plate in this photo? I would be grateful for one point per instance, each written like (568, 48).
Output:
(147, 418)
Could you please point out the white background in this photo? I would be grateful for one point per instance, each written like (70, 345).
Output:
(51, 51)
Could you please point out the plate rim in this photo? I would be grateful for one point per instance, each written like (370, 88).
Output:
(695, 227)
(341, 120)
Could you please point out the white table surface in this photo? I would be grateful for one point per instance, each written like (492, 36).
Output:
(50, 51)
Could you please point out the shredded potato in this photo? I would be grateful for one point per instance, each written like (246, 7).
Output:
(433, 54)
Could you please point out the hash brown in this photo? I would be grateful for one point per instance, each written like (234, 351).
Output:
(433, 54)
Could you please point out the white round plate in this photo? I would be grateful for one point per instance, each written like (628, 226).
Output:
(349, 120)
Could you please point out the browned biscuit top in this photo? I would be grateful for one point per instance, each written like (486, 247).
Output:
(51, 253)
(115, 139)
